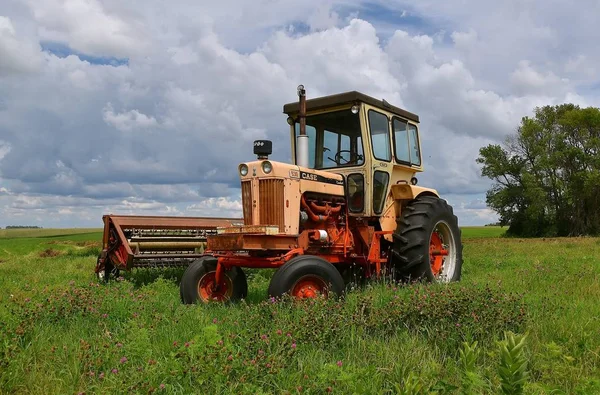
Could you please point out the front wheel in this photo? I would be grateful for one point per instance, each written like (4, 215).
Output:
(305, 277)
(198, 283)
(427, 242)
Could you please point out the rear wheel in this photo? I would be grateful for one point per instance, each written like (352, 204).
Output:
(306, 276)
(427, 242)
(199, 284)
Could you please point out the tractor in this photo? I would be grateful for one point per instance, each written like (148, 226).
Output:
(349, 208)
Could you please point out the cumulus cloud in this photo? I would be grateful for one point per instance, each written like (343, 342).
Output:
(87, 26)
(163, 133)
(16, 54)
(128, 120)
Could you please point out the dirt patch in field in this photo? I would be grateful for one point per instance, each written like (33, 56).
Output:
(2, 261)
(88, 243)
(49, 253)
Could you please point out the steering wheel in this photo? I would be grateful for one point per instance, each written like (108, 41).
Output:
(338, 157)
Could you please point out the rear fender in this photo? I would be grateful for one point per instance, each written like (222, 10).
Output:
(399, 195)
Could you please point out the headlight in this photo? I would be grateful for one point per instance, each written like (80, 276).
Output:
(243, 170)
(267, 167)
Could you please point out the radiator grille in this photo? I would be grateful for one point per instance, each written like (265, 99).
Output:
(271, 203)
(247, 201)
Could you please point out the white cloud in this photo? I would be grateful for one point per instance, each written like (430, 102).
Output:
(17, 55)
(526, 80)
(87, 26)
(129, 120)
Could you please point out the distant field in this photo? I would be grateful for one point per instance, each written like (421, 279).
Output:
(18, 233)
(473, 232)
(62, 332)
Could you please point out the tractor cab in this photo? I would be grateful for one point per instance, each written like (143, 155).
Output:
(371, 143)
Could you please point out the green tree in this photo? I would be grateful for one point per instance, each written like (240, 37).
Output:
(547, 176)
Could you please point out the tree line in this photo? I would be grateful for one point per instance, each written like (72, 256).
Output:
(547, 176)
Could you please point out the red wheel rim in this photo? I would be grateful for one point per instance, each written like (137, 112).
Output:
(308, 287)
(437, 253)
(207, 291)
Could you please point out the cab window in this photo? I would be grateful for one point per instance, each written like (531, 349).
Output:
(356, 192)
(380, 136)
(380, 183)
(406, 142)
(333, 140)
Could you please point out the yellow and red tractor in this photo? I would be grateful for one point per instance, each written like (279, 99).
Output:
(348, 207)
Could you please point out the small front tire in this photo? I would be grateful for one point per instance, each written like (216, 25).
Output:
(307, 276)
(198, 283)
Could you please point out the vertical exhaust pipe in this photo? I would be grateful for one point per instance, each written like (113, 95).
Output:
(302, 139)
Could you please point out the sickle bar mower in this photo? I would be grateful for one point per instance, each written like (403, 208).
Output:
(151, 241)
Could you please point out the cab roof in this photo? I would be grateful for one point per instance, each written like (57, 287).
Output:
(348, 98)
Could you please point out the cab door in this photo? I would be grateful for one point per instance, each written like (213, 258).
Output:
(380, 143)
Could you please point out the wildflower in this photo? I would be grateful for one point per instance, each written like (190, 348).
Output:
(187, 344)
(215, 320)
(260, 352)
(289, 334)
(174, 344)
(119, 345)
(162, 386)
(91, 374)
(123, 360)
(272, 300)
(101, 375)
(104, 315)
(339, 363)
(299, 388)
(115, 371)
(27, 300)
(253, 362)
(279, 332)
(230, 357)
(293, 345)
(268, 366)
(264, 337)
(220, 342)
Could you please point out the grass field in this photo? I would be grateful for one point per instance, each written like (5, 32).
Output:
(62, 332)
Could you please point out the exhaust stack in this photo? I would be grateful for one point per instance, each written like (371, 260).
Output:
(302, 140)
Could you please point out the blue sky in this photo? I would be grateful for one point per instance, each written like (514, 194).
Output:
(160, 103)
(62, 50)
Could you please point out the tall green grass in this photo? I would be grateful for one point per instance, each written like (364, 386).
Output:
(62, 332)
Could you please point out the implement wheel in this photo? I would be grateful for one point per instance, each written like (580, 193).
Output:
(427, 243)
(198, 283)
(306, 276)
(108, 272)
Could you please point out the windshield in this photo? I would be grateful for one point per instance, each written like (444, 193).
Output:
(334, 140)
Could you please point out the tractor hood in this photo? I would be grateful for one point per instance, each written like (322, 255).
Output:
(268, 168)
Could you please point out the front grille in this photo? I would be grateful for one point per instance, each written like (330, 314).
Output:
(271, 203)
(247, 201)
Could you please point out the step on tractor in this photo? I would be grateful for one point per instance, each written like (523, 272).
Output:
(349, 208)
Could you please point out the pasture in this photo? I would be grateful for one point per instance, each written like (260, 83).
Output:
(62, 332)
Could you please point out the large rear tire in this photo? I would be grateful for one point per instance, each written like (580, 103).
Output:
(427, 242)
(306, 276)
(197, 283)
